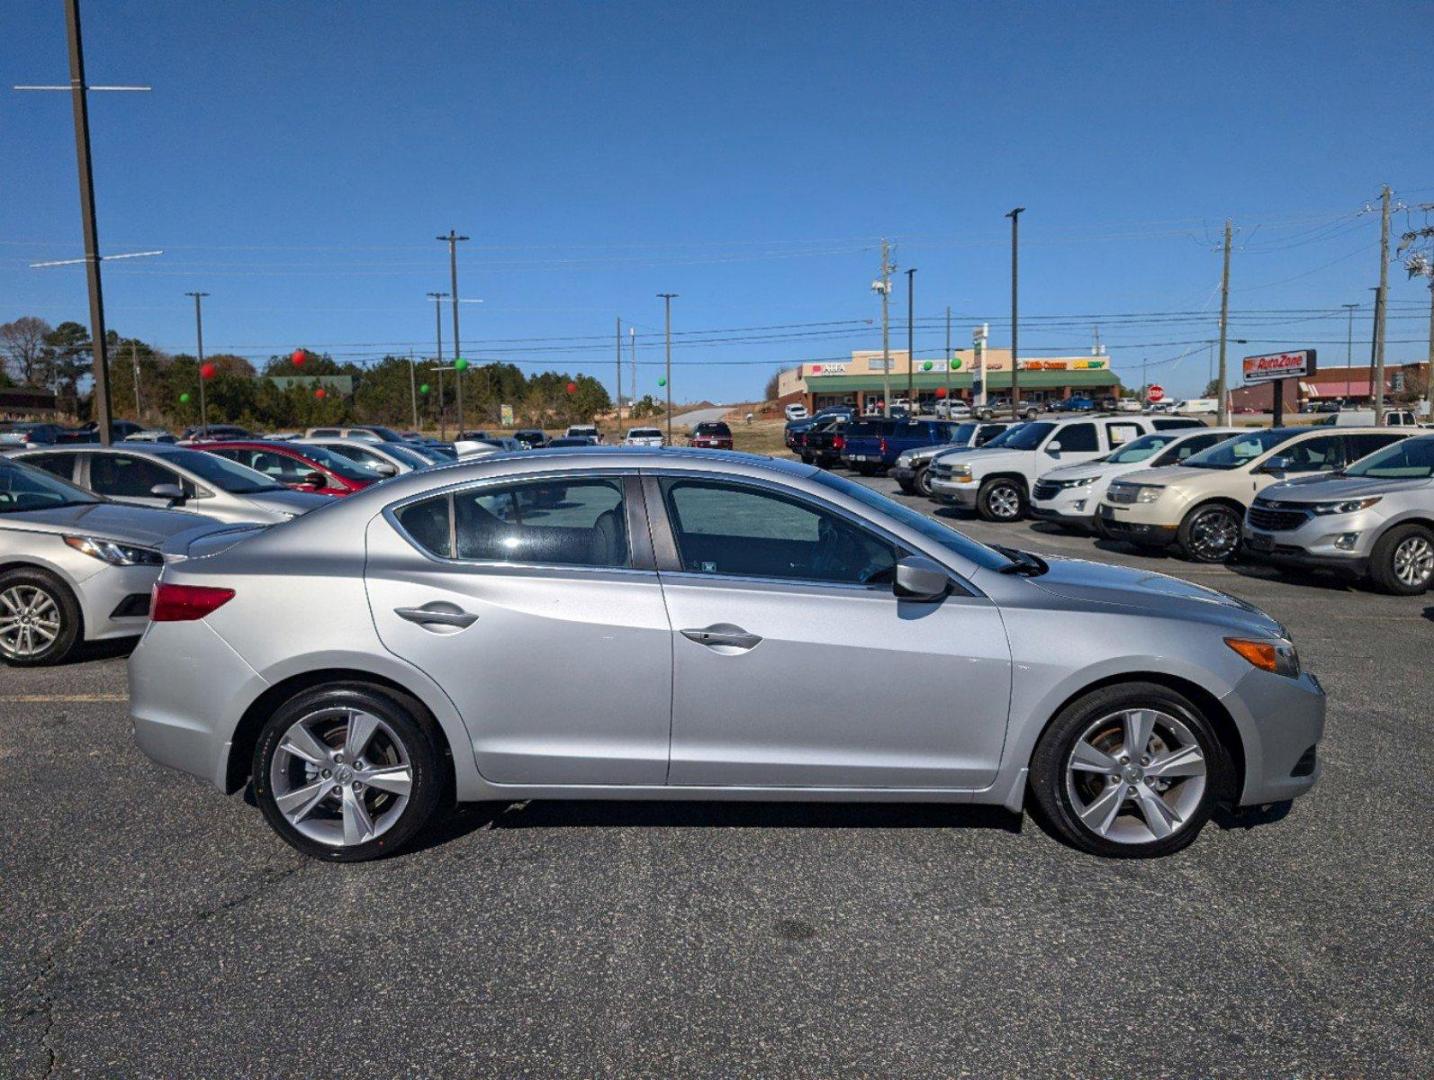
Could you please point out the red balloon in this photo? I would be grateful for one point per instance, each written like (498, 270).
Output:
(207, 371)
(572, 388)
(321, 393)
(941, 391)
(298, 358)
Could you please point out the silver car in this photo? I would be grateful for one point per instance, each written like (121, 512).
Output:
(75, 567)
(385, 458)
(608, 623)
(177, 477)
(1374, 518)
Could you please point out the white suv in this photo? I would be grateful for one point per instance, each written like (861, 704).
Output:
(997, 481)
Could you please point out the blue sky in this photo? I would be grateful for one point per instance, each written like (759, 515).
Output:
(296, 160)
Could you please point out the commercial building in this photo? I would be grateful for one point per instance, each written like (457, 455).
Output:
(860, 381)
(1350, 385)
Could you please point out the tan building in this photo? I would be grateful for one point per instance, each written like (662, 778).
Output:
(861, 381)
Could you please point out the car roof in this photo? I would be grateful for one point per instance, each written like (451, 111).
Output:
(146, 448)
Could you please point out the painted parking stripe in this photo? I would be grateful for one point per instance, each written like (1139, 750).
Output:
(59, 699)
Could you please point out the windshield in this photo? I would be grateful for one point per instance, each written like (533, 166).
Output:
(928, 527)
(1239, 450)
(1409, 459)
(335, 462)
(961, 434)
(1026, 437)
(23, 487)
(1144, 447)
(224, 474)
(408, 455)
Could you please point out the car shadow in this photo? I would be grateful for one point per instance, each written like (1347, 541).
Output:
(468, 818)
(111, 649)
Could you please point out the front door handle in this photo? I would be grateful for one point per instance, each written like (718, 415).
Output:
(723, 636)
(440, 613)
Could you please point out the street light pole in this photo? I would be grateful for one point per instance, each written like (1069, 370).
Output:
(1349, 346)
(1222, 387)
(452, 240)
(199, 339)
(1015, 216)
(667, 298)
(442, 408)
(947, 360)
(911, 344)
(617, 383)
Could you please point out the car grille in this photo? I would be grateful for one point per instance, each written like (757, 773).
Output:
(1271, 519)
(1121, 494)
(1044, 489)
(944, 472)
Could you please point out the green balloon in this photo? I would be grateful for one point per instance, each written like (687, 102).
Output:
(184, 399)
(661, 381)
(955, 363)
(926, 365)
(461, 364)
(423, 389)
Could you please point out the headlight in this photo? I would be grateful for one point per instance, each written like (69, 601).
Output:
(960, 472)
(1066, 485)
(1349, 506)
(904, 460)
(114, 553)
(1278, 657)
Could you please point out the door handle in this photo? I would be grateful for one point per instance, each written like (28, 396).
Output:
(443, 614)
(723, 636)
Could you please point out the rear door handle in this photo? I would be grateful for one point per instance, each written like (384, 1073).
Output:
(440, 613)
(723, 636)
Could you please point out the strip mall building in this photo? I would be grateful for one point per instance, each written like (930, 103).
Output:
(860, 381)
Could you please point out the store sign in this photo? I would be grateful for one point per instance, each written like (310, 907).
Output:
(1285, 365)
(505, 414)
(827, 369)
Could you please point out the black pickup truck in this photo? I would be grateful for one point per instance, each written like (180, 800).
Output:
(823, 442)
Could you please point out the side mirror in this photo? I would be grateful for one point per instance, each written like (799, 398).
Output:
(386, 468)
(1276, 466)
(921, 580)
(1054, 448)
(173, 492)
(315, 479)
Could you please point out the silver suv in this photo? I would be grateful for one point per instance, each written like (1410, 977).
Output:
(1375, 518)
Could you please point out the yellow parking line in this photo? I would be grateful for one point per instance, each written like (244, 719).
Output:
(43, 699)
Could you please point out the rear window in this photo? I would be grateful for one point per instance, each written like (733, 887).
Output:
(712, 427)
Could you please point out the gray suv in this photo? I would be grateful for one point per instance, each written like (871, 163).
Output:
(1374, 518)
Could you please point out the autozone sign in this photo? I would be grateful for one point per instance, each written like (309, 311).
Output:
(1285, 365)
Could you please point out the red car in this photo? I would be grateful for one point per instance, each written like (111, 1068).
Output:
(711, 435)
(303, 468)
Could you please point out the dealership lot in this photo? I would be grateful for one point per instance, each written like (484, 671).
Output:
(154, 928)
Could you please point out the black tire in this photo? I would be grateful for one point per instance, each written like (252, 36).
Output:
(63, 600)
(866, 470)
(806, 459)
(420, 742)
(1402, 542)
(1002, 499)
(906, 486)
(1052, 793)
(922, 481)
(1205, 534)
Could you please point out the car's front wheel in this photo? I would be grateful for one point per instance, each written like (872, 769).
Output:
(39, 618)
(1002, 499)
(922, 480)
(1211, 533)
(1129, 771)
(1402, 561)
(348, 772)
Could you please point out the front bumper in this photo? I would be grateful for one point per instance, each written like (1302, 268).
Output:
(1334, 541)
(1120, 523)
(952, 492)
(1281, 722)
(108, 601)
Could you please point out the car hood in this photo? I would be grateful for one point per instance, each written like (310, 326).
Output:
(1329, 488)
(1183, 475)
(142, 525)
(286, 501)
(1086, 470)
(1155, 594)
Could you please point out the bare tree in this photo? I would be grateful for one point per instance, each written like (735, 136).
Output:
(23, 347)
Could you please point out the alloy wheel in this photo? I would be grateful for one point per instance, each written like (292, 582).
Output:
(1136, 776)
(1005, 502)
(1414, 562)
(29, 621)
(341, 776)
(1214, 535)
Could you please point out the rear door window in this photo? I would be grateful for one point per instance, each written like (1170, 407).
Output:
(122, 476)
(559, 522)
(1120, 433)
(62, 465)
(1078, 438)
(1359, 446)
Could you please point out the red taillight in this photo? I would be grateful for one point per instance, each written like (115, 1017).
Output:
(883, 447)
(838, 442)
(185, 603)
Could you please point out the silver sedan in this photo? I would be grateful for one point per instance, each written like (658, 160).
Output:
(74, 567)
(610, 623)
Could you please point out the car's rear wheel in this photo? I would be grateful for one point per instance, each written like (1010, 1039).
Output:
(1129, 771)
(1402, 561)
(1211, 533)
(348, 772)
(1002, 499)
(39, 618)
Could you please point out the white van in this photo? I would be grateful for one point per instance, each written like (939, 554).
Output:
(1200, 406)
(1365, 418)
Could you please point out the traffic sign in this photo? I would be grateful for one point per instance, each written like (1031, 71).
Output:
(1156, 394)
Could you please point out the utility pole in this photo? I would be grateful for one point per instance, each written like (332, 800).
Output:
(452, 241)
(947, 360)
(1349, 346)
(199, 339)
(442, 408)
(632, 351)
(1015, 216)
(438, 298)
(1374, 334)
(883, 286)
(1379, 319)
(667, 298)
(1144, 378)
(617, 383)
(413, 388)
(911, 345)
(1221, 386)
(134, 360)
(1429, 374)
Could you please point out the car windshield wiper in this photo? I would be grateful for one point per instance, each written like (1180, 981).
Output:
(1022, 562)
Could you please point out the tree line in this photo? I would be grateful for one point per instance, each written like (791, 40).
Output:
(59, 358)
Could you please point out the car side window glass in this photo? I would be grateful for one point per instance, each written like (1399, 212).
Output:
(427, 523)
(1363, 445)
(1315, 455)
(733, 530)
(1183, 449)
(559, 522)
(1077, 438)
(122, 476)
(62, 465)
(1119, 434)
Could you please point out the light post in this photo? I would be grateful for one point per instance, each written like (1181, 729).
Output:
(1015, 216)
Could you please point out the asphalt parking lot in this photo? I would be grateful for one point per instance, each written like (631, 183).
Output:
(154, 928)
